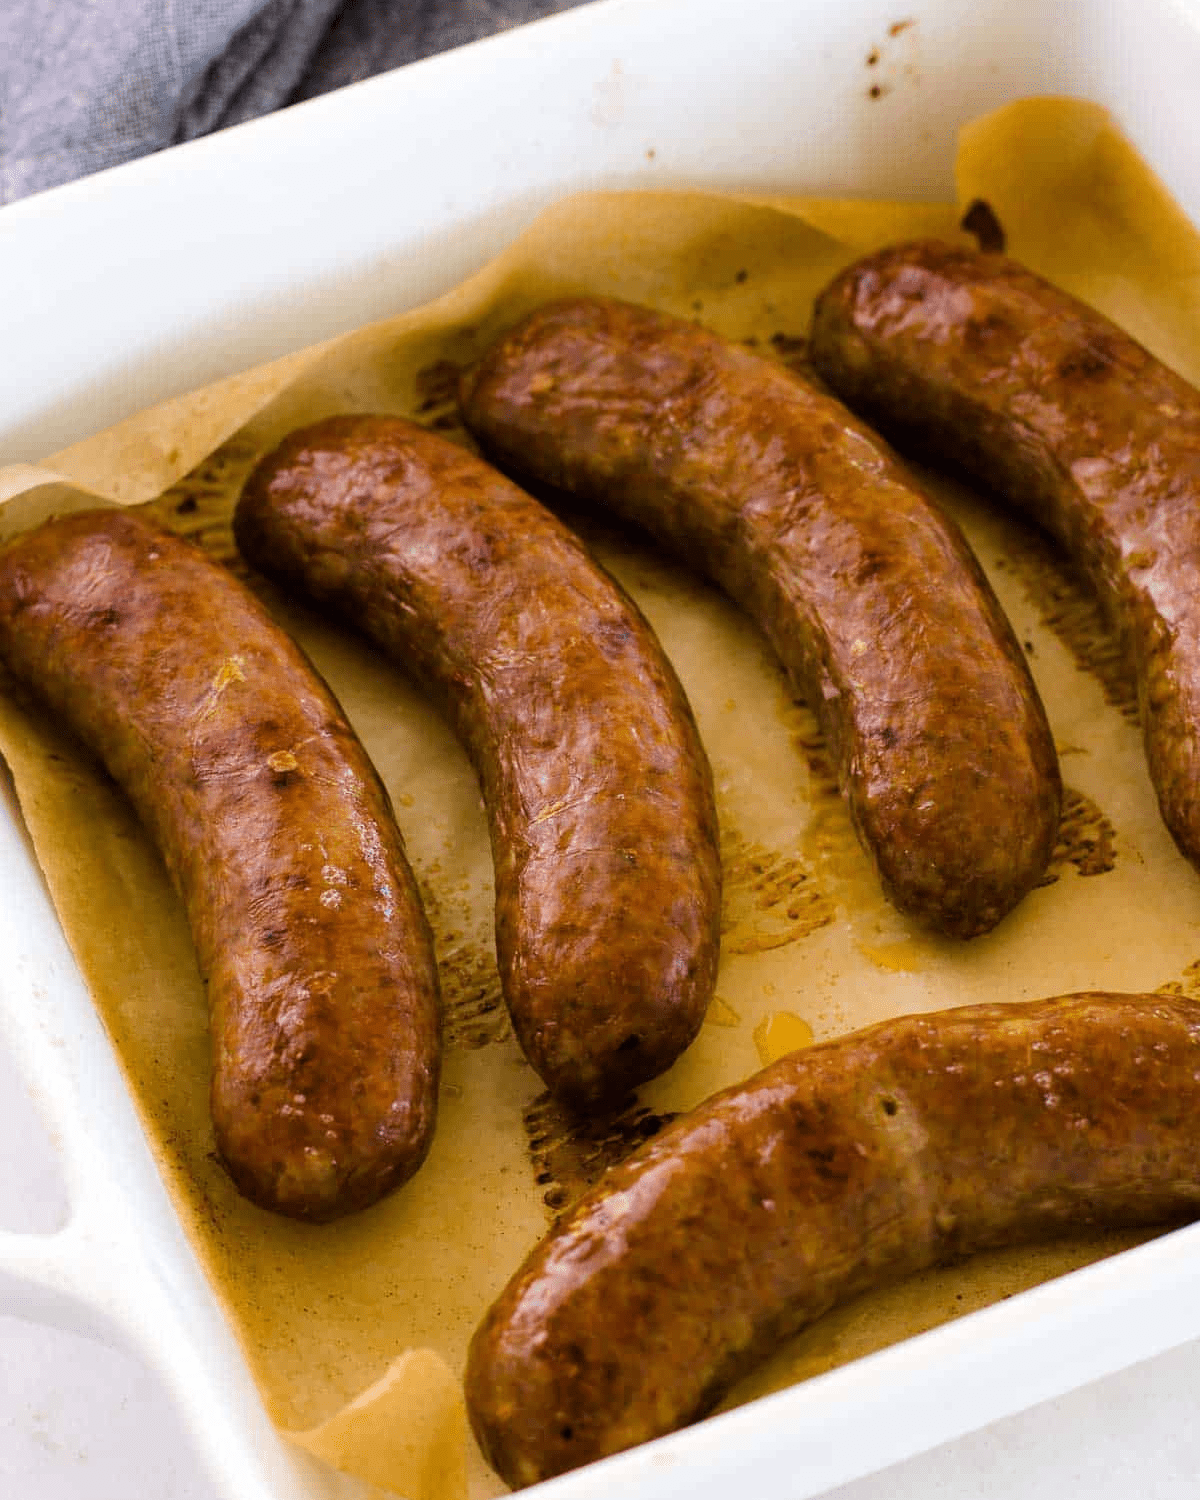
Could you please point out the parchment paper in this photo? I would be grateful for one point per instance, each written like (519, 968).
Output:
(356, 1332)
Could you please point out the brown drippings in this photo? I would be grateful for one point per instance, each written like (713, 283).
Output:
(980, 220)
(570, 1153)
(474, 1014)
(1071, 610)
(1187, 984)
(437, 385)
(1086, 839)
(830, 841)
(769, 897)
(435, 396)
(791, 349)
(200, 505)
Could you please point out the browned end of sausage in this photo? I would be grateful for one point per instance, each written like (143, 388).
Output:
(870, 596)
(597, 788)
(278, 835)
(910, 1143)
(973, 362)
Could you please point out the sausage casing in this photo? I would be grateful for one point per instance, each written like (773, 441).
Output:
(275, 830)
(597, 788)
(909, 1143)
(975, 363)
(870, 597)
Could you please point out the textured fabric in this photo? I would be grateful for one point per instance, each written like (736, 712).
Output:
(370, 36)
(257, 70)
(85, 84)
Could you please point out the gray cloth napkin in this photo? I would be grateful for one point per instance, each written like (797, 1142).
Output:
(85, 84)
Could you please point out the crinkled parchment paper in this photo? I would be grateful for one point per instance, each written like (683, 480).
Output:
(356, 1332)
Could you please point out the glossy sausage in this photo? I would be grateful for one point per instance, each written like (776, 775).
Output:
(870, 597)
(867, 1158)
(276, 832)
(974, 363)
(597, 788)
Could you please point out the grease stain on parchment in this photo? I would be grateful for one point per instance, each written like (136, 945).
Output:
(721, 1013)
(904, 956)
(769, 897)
(1188, 983)
(1071, 610)
(200, 505)
(830, 843)
(1086, 839)
(780, 1032)
(435, 398)
(570, 1153)
(474, 1014)
(792, 350)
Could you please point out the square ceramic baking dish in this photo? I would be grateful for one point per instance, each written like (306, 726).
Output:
(157, 277)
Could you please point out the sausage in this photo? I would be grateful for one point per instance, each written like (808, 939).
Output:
(870, 597)
(912, 1142)
(597, 788)
(275, 830)
(976, 364)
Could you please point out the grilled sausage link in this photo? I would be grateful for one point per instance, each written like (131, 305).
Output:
(275, 830)
(597, 789)
(974, 363)
(861, 1160)
(870, 597)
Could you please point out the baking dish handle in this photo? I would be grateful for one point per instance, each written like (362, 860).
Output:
(83, 1281)
(57, 1279)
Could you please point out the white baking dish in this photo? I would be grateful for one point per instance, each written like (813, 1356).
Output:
(157, 277)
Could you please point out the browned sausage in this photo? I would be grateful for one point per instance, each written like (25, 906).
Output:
(871, 598)
(975, 363)
(867, 1158)
(278, 835)
(597, 788)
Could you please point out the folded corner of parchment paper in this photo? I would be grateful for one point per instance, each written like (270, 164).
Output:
(406, 1433)
(356, 1332)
